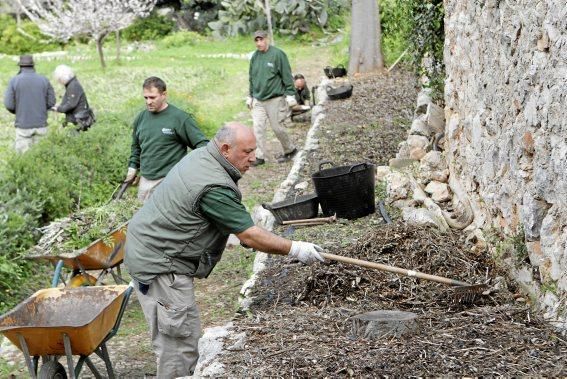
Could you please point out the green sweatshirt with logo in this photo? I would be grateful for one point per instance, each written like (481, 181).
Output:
(270, 75)
(160, 140)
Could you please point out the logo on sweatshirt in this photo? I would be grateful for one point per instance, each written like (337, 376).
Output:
(167, 131)
(270, 64)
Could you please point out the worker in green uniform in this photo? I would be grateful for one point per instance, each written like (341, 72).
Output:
(162, 133)
(271, 95)
(180, 233)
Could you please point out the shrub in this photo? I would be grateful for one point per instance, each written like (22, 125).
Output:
(25, 39)
(182, 38)
(288, 16)
(153, 27)
(62, 173)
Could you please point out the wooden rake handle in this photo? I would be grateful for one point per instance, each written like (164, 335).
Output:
(397, 270)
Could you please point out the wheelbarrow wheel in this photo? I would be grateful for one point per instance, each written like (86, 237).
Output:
(52, 370)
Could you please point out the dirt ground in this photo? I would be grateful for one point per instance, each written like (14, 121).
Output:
(301, 322)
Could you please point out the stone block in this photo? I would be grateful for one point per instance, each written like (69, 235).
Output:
(414, 141)
(382, 172)
(398, 186)
(417, 153)
(435, 118)
(419, 127)
(438, 191)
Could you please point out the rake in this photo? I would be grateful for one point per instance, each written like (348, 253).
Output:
(465, 292)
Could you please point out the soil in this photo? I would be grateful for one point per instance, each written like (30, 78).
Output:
(300, 322)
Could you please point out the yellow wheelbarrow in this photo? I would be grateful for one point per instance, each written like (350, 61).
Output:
(105, 254)
(56, 322)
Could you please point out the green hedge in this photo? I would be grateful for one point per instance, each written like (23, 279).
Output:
(152, 27)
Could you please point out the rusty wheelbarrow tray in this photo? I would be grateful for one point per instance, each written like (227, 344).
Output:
(57, 322)
(104, 254)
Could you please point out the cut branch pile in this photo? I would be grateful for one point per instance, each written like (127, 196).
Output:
(66, 237)
(301, 318)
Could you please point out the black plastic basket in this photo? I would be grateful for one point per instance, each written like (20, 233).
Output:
(335, 72)
(347, 191)
(296, 208)
(340, 92)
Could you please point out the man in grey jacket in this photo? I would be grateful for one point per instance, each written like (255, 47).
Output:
(180, 233)
(29, 96)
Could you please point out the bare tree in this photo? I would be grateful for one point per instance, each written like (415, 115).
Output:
(365, 37)
(64, 19)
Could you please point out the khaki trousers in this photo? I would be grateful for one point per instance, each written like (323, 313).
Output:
(276, 112)
(25, 138)
(175, 328)
(146, 187)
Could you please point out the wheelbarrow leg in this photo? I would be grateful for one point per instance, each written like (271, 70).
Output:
(117, 276)
(91, 366)
(32, 366)
(69, 353)
(100, 277)
(102, 352)
(57, 275)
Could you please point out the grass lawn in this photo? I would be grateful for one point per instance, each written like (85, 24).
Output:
(206, 77)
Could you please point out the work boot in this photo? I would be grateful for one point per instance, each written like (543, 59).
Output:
(286, 157)
(258, 162)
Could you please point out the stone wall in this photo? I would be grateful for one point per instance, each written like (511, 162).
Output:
(506, 130)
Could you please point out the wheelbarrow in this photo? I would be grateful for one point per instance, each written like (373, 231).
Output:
(105, 254)
(56, 322)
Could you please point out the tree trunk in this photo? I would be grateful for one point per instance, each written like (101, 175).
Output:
(365, 37)
(117, 46)
(268, 11)
(100, 52)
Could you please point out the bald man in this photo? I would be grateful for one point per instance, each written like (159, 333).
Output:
(181, 232)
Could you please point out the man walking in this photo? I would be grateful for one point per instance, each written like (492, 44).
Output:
(271, 95)
(180, 233)
(29, 96)
(162, 133)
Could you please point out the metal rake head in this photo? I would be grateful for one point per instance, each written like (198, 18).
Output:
(468, 294)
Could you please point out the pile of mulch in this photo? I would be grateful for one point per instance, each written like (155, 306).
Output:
(300, 324)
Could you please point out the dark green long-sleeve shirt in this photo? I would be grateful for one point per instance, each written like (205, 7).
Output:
(270, 75)
(160, 140)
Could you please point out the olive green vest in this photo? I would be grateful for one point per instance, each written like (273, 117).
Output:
(168, 234)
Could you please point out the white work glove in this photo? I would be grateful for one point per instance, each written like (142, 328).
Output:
(131, 175)
(290, 100)
(306, 252)
(249, 101)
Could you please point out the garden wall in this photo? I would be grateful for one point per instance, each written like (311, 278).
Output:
(506, 131)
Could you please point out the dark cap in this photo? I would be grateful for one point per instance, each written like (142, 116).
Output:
(26, 61)
(260, 34)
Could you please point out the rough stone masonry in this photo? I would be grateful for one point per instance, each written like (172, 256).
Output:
(506, 130)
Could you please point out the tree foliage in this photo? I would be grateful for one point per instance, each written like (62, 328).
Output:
(23, 38)
(64, 19)
(288, 16)
(419, 24)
